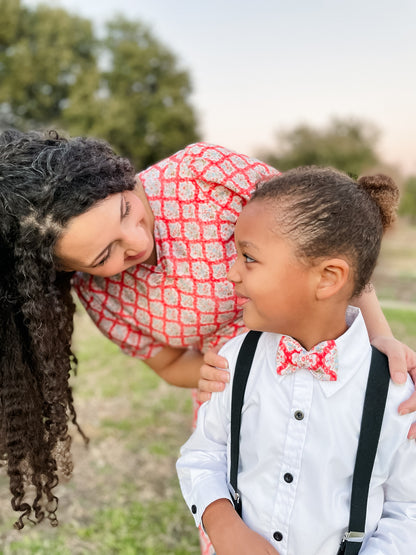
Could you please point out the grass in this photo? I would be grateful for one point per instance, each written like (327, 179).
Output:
(403, 325)
(124, 497)
(156, 528)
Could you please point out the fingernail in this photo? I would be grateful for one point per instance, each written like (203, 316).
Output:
(412, 436)
(404, 411)
(399, 377)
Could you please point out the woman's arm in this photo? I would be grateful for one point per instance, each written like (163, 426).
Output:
(180, 367)
(401, 358)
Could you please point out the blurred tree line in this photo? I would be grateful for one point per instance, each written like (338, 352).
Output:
(127, 88)
(346, 144)
(408, 200)
(349, 145)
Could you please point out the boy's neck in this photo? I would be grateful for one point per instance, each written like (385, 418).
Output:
(323, 325)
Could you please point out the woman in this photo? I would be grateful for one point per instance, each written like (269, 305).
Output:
(164, 237)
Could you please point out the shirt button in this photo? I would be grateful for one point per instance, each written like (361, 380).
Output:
(278, 536)
(193, 509)
(288, 477)
(299, 415)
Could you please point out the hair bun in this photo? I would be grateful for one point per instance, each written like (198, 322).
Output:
(385, 193)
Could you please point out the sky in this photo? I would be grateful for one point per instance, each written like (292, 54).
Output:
(260, 67)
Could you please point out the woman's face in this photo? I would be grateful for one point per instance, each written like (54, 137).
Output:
(113, 235)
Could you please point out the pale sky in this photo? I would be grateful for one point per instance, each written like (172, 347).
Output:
(261, 66)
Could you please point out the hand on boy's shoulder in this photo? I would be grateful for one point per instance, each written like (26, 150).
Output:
(402, 359)
(214, 375)
(215, 372)
(401, 421)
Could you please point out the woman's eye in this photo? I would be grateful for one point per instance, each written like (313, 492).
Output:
(248, 258)
(127, 208)
(104, 260)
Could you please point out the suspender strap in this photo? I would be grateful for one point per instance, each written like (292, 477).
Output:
(373, 411)
(242, 370)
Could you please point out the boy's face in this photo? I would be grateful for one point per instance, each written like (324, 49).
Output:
(275, 289)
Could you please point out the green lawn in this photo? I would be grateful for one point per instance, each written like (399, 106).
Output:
(123, 497)
(403, 325)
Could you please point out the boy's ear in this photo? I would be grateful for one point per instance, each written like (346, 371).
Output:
(334, 274)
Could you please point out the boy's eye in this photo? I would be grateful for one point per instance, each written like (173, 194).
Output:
(248, 258)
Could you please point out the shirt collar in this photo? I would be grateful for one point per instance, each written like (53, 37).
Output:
(353, 349)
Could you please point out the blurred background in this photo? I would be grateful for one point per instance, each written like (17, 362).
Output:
(318, 82)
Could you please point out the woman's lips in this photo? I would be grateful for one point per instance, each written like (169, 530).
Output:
(137, 256)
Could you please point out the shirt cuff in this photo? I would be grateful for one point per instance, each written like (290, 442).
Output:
(203, 495)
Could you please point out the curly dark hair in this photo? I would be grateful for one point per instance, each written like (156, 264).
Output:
(45, 180)
(327, 213)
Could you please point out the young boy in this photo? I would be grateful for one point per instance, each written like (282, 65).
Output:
(295, 272)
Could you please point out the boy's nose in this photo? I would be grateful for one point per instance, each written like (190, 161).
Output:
(233, 275)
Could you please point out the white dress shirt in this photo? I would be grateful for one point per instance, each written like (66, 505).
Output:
(298, 446)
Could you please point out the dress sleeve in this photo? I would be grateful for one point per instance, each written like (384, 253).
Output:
(224, 171)
(212, 170)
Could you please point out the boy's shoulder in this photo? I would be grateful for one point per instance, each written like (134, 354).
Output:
(396, 395)
(267, 346)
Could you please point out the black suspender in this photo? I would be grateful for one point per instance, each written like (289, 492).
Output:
(242, 370)
(373, 410)
(372, 418)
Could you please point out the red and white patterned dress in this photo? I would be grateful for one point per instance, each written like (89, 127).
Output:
(185, 300)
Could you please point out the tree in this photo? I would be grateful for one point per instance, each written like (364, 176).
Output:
(125, 88)
(408, 200)
(43, 54)
(140, 101)
(346, 144)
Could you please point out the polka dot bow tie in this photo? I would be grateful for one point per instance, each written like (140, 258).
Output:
(322, 360)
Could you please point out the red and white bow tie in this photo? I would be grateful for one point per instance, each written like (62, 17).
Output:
(322, 360)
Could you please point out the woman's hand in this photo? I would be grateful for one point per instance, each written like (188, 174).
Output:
(402, 360)
(213, 375)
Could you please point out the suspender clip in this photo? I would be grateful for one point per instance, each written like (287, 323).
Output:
(236, 499)
(353, 537)
(234, 493)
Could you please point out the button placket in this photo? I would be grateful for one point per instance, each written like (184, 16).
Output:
(291, 458)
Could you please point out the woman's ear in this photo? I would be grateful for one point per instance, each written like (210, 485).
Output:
(334, 275)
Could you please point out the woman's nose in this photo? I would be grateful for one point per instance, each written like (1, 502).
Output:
(133, 240)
